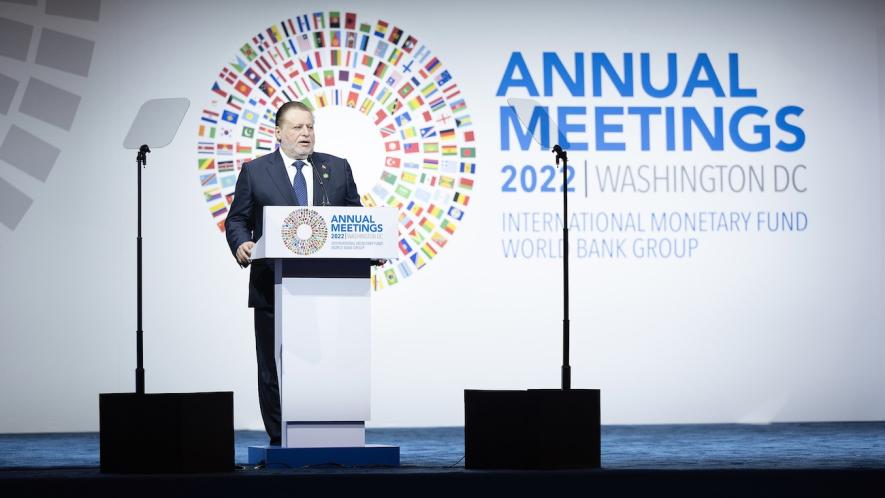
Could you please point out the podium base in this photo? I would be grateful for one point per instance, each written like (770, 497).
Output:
(534, 429)
(275, 457)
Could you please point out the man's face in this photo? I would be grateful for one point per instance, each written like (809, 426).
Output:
(295, 133)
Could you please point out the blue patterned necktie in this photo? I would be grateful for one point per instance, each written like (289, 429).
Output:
(299, 184)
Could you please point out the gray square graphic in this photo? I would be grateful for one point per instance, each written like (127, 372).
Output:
(28, 153)
(65, 52)
(79, 9)
(15, 38)
(8, 87)
(50, 104)
(13, 204)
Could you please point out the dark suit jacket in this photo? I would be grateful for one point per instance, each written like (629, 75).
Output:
(264, 182)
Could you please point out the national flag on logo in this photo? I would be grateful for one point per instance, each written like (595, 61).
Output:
(217, 89)
(243, 88)
(380, 70)
(228, 181)
(416, 102)
(411, 165)
(225, 166)
(352, 99)
(209, 116)
(224, 149)
(431, 147)
(391, 146)
(434, 210)
(442, 78)
(428, 179)
(426, 224)
(206, 163)
(428, 132)
(416, 237)
(437, 104)
(461, 199)
(458, 105)
(428, 251)
(388, 177)
(329, 78)
(463, 121)
(447, 135)
(207, 131)
(455, 213)
(448, 226)
(405, 90)
(235, 102)
(432, 66)
(358, 81)
(468, 136)
(212, 195)
(248, 132)
(390, 276)
(244, 149)
(468, 152)
(230, 117)
(395, 35)
(402, 119)
(417, 260)
(431, 164)
(438, 239)
(205, 148)
(319, 39)
(403, 191)
(468, 168)
(208, 179)
(381, 28)
(465, 183)
(404, 247)
(410, 148)
(350, 20)
(415, 208)
(262, 144)
(408, 132)
(396, 55)
(409, 44)
(408, 177)
(218, 209)
(449, 166)
(367, 106)
(449, 150)
(253, 76)
(381, 49)
(446, 181)
(392, 162)
(267, 88)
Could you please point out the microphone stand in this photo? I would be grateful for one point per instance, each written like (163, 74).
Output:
(317, 175)
(566, 368)
(141, 160)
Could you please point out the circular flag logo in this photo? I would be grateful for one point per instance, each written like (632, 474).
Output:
(304, 232)
(382, 72)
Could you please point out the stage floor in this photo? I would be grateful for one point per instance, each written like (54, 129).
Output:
(795, 459)
(718, 446)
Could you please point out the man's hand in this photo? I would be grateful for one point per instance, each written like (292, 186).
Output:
(244, 252)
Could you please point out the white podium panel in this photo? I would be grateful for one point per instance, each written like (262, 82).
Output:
(324, 349)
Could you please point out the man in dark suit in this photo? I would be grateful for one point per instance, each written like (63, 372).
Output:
(294, 175)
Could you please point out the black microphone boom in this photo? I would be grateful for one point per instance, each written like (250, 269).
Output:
(317, 175)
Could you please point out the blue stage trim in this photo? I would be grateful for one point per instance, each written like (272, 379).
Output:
(278, 457)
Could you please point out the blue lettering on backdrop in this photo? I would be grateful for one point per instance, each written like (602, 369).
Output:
(613, 78)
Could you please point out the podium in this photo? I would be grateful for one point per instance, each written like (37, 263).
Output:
(322, 300)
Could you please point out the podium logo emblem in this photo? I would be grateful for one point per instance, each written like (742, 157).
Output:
(305, 232)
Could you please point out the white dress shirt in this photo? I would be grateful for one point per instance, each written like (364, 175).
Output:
(306, 170)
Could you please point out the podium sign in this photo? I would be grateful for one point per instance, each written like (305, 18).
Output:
(327, 232)
(322, 259)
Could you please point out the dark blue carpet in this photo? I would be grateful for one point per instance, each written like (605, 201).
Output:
(725, 446)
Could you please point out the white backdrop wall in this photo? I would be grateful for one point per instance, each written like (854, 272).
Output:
(754, 325)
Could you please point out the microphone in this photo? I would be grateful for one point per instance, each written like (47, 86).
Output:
(317, 175)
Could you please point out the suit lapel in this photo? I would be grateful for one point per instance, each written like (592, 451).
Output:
(280, 178)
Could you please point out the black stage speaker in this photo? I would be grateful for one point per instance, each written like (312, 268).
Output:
(534, 429)
(180, 432)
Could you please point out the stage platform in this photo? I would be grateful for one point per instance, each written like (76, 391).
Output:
(813, 459)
